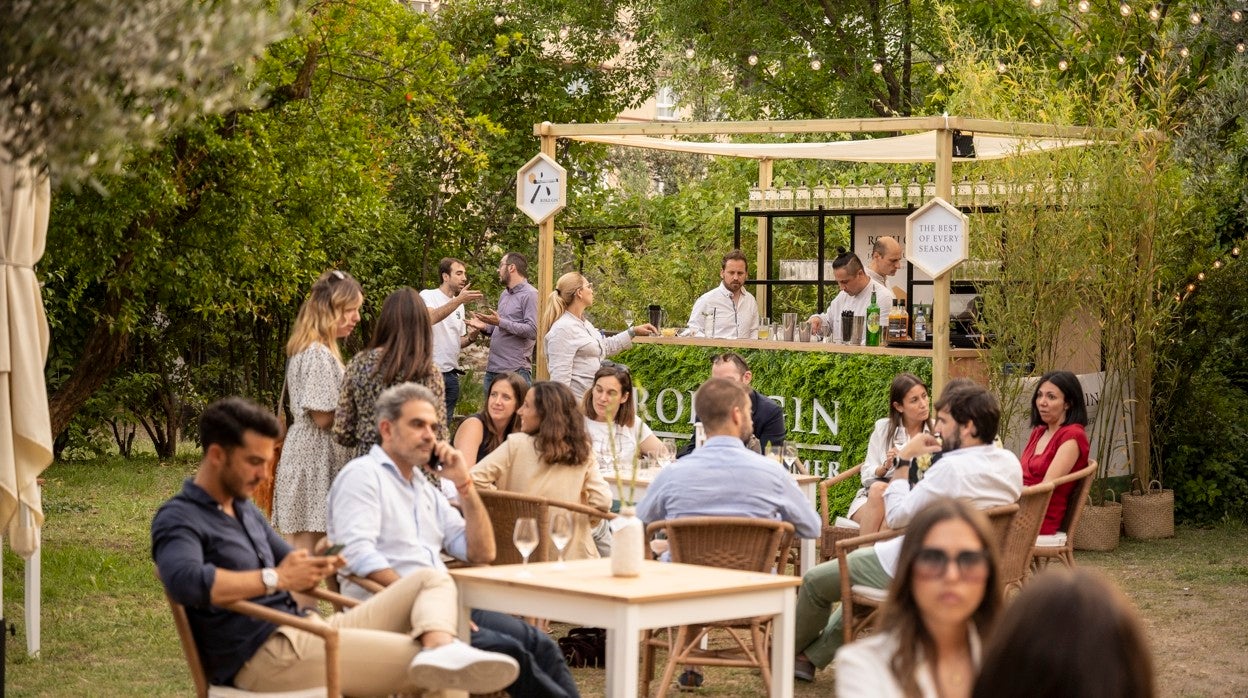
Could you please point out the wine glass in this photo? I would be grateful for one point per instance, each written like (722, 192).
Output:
(775, 452)
(669, 452)
(788, 453)
(525, 538)
(628, 318)
(560, 534)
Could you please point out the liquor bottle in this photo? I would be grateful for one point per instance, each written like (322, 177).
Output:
(873, 322)
(890, 328)
(903, 321)
(920, 325)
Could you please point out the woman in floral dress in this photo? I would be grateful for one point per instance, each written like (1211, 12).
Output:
(401, 351)
(310, 458)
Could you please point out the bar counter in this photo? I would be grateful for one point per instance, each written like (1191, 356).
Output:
(778, 345)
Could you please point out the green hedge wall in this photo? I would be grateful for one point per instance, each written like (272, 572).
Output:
(855, 385)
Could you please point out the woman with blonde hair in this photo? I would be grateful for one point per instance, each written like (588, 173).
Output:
(550, 457)
(945, 597)
(574, 347)
(401, 351)
(310, 458)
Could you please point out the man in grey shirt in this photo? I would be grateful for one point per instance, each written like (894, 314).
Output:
(512, 327)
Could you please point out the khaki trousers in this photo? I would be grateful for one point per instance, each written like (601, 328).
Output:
(377, 641)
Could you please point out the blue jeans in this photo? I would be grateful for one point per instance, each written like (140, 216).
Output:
(450, 379)
(525, 373)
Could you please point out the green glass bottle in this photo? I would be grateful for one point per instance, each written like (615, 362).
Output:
(873, 323)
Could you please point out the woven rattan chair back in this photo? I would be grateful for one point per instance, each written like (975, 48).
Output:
(1020, 538)
(721, 541)
(504, 508)
(1070, 522)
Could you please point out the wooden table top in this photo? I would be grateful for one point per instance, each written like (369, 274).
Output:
(659, 581)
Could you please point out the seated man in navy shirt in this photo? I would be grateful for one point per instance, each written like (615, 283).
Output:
(766, 417)
(212, 547)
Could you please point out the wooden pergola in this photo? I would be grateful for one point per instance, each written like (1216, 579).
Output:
(941, 155)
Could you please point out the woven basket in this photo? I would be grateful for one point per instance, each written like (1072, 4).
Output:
(1148, 513)
(1100, 526)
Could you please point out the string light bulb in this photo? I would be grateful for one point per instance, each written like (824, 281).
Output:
(1239, 47)
(564, 32)
(1184, 52)
(1120, 59)
(1037, 3)
(1217, 264)
(1063, 65)
(1194, 18)
(940, 67)
(1200, 276)
(1001, 68)
(877, 67)
(753, 59)
(1237, 16)
(690, 53)
(499, 18)
(1084, 6)
(1154, 14)
(815, 64)
(1191, 288)
(1124, 9)
(1235, 252)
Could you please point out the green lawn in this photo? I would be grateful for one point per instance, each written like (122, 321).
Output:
(107, 631)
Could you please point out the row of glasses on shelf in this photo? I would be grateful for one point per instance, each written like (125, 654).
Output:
(898, 194)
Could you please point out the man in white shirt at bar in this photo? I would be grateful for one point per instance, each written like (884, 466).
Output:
(971, 469)
(855, 295)
(886, 256)
(446, 314)
(727, 309)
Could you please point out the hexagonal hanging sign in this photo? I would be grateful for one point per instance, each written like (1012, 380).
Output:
(541, 188)
(936, 237)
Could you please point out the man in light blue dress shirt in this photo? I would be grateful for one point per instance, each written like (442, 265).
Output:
(391, 518)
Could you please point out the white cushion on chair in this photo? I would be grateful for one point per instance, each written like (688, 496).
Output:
(1053, 540)
(869, 592)
(231, 692)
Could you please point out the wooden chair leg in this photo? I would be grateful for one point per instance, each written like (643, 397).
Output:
(647, 660)
(759, 636)
(673, 657)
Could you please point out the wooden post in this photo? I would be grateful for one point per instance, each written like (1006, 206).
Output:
(940, 287)
(545, 269)
(761, 262)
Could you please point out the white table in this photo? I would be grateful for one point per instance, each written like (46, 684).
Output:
(808, 484)
(665, 594)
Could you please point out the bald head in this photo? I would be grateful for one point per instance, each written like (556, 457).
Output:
(885, 256)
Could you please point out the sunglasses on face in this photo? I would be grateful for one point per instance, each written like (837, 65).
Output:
(932, 563)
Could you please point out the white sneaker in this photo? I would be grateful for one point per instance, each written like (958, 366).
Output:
(459, 666)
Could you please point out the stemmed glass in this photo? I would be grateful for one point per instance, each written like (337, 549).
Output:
(525, 538)
(669, 452)
(775, 452)
(788, 453)
(628, 318)
(560, 534)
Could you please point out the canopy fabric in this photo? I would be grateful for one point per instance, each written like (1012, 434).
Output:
(915, 147)
(25, 432)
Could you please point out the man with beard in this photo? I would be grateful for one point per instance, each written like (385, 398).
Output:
(732, 312)
(392, 521)
(212, 547)
(512, 327)
(446, 314)
(971, 469)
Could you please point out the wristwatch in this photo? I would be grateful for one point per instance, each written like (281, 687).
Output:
(268, 575)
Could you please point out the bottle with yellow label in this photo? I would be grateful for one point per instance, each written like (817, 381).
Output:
(873, 322)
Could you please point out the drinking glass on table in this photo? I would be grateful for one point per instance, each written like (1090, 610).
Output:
(628, 318)
(775, 452)
(525, 538)
(788, 453)
(669, 452)
(560, 534)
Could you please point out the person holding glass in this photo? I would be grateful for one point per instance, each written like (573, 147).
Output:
(1058, 444)
(310, 457)
(574, 347)
(946, 595)
(908, 416)
(550, 457)
(401, 351)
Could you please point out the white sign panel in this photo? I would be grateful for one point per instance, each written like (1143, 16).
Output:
(541, 188)
(936, 237)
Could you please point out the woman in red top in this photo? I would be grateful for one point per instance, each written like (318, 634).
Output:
(1058, 445)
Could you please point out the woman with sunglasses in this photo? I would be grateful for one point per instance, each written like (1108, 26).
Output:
(946, 594)
(611, 418)
(574, 347)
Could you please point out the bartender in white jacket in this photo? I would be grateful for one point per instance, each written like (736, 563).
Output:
(855, 295)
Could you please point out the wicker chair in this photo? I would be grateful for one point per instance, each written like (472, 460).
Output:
(831, 534)
(1020, 538)
(505, 507)
(717, 541)
(330, 635)
(1061, 545)
(860, 603)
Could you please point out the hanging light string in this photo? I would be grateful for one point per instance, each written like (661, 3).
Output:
(1218, 264)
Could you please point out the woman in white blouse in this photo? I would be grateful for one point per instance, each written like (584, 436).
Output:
(574, 347)
(908, 416)
(946, 595)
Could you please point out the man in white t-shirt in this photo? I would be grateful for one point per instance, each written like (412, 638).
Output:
(971, 469)
(450, 333)
(855, 295)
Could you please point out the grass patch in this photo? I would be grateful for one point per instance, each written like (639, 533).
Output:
(107, 630)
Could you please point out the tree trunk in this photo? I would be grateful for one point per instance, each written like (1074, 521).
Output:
(101, 355)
